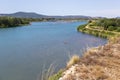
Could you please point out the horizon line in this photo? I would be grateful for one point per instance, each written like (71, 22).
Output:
(58, 15)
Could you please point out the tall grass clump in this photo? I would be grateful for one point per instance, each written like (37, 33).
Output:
(73, 60)
(47, 73)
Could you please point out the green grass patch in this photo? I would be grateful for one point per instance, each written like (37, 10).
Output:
(56, 76)
(101, 33)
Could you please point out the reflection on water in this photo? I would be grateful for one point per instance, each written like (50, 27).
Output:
(24, 50)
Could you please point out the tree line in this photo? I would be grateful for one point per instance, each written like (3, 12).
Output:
(6, 22)
(108, 24)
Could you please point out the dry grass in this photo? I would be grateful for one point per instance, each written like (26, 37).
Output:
(73, 60)
(46, 74)
(102, 63)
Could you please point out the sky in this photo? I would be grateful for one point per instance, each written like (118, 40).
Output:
(104, 8)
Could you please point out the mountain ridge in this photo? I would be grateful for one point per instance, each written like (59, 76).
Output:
(36, 15)
(24, 15)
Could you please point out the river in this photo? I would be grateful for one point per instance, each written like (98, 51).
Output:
(24, 51)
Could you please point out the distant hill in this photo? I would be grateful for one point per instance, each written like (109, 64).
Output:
(35, 15)
(98, 17)
(24, 15)
(73, 17)
(118, 17)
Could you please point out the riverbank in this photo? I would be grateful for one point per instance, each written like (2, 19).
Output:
(97, 31)
(101, 63)
(8, 22)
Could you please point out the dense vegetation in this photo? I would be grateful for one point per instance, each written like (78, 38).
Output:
(98, 63)
(6, 22)
(101, 27)
(108, 24)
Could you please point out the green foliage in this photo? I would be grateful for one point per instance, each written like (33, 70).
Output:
(90, 21)
(108, 24)
(102, 28)
(6, 22)
(81, 27)
(111, 28)
(118, 29)
(56, 76)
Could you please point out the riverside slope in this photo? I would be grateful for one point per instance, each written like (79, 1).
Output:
(101, 63)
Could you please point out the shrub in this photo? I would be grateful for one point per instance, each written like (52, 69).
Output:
(118, 29)
(73, 60)
(111, 28)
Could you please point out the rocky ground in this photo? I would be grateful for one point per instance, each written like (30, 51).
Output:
(101, 63)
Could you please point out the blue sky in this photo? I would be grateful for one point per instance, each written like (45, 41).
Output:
(108, 8)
